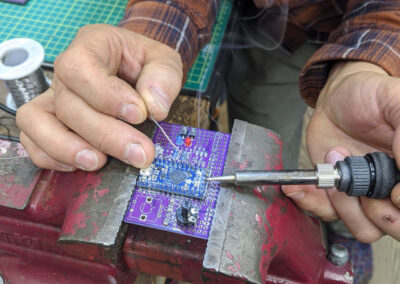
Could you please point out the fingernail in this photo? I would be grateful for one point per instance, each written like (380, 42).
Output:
(86, 160)
(131, 113)
(333, 156)
(65, 168)
(161, 98)
(134, 155)
(296, 195)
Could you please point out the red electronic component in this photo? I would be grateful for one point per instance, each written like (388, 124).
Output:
(188, 142)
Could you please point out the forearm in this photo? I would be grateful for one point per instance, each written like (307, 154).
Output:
(369, 33)
(184, 25)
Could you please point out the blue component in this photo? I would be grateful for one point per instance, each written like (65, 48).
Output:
(184, 131)
(179, 140)
(175, 177)
(192, 133)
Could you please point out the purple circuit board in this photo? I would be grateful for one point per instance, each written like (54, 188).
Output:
(176, 180)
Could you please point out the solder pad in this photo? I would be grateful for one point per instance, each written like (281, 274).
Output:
(179, 176)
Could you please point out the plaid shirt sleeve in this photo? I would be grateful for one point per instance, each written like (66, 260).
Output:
(368, 32)
(184, 25)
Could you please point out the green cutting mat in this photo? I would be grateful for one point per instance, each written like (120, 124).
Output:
(201, 71)
(54, 23)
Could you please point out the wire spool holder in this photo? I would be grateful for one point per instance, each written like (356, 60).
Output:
(20, 61)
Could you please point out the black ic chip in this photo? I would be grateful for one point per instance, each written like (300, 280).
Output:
(177, 176)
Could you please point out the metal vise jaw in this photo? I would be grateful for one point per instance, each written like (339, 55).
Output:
(76, 218)
(258, 235)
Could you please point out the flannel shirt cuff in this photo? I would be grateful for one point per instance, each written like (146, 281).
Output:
(165, 24)
(381, 47)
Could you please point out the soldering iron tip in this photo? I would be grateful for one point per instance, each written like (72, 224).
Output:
(222, 179)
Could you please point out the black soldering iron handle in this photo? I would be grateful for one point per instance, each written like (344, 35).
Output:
(373, 175)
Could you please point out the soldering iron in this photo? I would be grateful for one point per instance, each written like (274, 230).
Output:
(373, 175)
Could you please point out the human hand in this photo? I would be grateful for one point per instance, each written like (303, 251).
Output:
(107, 78)
(357, 112)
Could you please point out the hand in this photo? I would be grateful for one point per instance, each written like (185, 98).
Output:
(357, 112)
(107, 79)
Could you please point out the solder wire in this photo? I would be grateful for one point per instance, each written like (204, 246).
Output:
(166, 136)
(25, 89)
(164, 133)
(20, 69)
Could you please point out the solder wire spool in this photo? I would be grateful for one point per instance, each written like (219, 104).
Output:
(20, 61)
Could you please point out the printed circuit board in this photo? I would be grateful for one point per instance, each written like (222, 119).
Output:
(173, 194)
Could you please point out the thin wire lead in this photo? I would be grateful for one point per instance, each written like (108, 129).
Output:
(13, 158)
(10, 138)
(8, 129)
(7, 109)
(163, 132)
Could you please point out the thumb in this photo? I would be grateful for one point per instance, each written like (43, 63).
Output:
(336, 154)
(160, 80)
(395, 195)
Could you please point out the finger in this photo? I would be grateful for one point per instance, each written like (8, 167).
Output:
(350, 211)
(85, 74)
(311, 199)
(40, 158)
(395, 195)
(160, 81)
(315, 200)
(105, 133)
(349, 208)
(384, 214)
(389, 104)
(37, 121)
